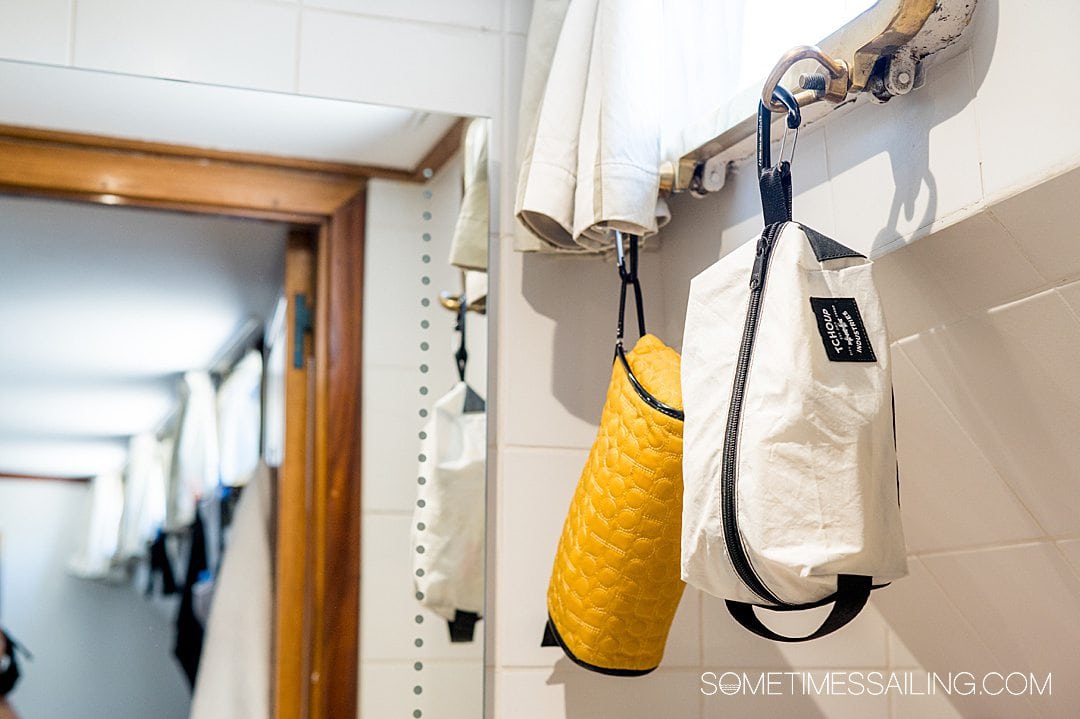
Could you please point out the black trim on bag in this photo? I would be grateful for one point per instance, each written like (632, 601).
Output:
(826, 248)
(551, 632)
(645, 395)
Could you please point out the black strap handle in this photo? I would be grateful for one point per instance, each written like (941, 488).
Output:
(852, 593)
(775, 186)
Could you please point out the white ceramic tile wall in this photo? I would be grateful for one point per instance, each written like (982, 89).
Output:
(920, 163)
(1029, 625)
(384, 61)
(36, 30)
(240, 42)
(1017, 149)
(941, 468)
(477, 14)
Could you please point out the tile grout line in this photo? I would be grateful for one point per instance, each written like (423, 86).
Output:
(72, 16)
(988, 547)
(409, 21)
(975, 118)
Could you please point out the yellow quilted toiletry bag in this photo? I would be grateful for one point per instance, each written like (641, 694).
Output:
(615, 585)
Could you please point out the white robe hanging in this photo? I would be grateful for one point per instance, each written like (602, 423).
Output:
(235, 668)
(611, 90)
(590, 146)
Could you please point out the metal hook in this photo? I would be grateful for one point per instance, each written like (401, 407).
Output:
(836, 89)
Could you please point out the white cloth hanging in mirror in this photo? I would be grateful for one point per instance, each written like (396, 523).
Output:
(195, 464)
(105, 506)
(235, 668)
(469, 245)
(239, 420)
(453, 508)
(144, 496)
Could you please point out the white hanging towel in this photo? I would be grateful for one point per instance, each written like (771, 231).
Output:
(93, 560)
(591, 138)
(144, 496)
(453, 507)
(239, 420)
(469, 246)
(195, 463)
(235, 668)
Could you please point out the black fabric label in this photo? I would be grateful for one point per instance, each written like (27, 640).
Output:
(842, 330)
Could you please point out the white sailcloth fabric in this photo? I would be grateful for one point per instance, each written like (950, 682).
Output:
(239, 420)
(196, 459)
(469, 245)
(144, 496)
(235, 668)
(453, 508)
(93, 559)
(813, 472)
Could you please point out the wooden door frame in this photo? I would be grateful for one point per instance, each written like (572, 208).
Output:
(317, 572)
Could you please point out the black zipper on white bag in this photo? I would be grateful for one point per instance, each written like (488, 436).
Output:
(740, 562)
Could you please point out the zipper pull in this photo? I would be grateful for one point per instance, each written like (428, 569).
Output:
(761, 254)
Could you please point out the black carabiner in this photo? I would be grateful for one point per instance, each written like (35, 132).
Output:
(794, 119)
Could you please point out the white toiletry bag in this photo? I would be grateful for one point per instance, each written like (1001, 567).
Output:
(791, 495)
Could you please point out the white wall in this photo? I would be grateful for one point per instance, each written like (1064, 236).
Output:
(99, 650)
(980, 131)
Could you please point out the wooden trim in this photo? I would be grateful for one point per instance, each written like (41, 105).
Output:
(44, 478)
(440, 154)
(164, 149)
(114, 177)
(437, 156)
(291, 635)
(338, 433)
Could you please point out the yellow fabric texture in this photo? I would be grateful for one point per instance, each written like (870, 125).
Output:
(615, 585)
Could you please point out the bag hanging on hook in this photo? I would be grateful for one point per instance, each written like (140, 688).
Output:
(791, 484)
(615, 582)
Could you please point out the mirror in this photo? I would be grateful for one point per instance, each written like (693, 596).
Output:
(177, 516)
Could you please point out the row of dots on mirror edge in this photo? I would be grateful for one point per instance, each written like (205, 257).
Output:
(421, 480)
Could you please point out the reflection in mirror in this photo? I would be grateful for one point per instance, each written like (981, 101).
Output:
(130, 410)
(425, 378)
(158, 387)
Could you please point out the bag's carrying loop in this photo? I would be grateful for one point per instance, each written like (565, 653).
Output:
(774, 181)
(852, 593)
(626, 261)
